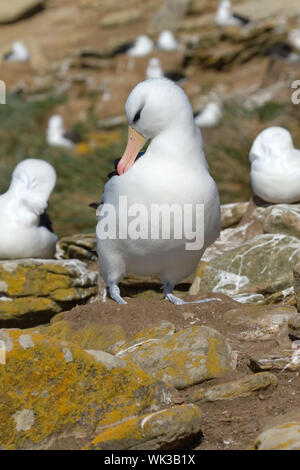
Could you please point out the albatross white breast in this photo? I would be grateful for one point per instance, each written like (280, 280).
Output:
(173, 170)
(275, 166)
(25, 230)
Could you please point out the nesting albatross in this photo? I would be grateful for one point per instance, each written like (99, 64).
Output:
(173, 170)
(25, 228)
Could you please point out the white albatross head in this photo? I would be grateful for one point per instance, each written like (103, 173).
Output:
(154, 107)
(154, 69)
(166, 41)
(143, 46)
(32, 183)
(272, 142)
(19, 52)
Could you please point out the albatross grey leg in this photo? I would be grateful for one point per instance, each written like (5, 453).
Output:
(114, 293)
(168, 292)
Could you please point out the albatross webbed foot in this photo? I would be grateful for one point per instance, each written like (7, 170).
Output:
(168, 291)
(114, 293)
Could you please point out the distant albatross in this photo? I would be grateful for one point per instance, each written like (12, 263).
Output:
(166, 41)
(173, 170)
(226, 17)
(210, 116)
(275, 166)
(18, 53)
(154, 70)
(57, 135)
(25, 228)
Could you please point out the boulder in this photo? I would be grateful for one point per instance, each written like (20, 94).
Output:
(14, 11)
(283, 218)
(260, 322)
(170, 428)
(92, 335)
(236, 389)
(33, 290)
(261, 265)
(231, 214)
(55, 395)
(79, 246)
(281, 434)
(187, 357)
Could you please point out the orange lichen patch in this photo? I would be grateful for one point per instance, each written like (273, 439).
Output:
(74, 293)
(150, 431)
(188, 356)
(90, 336)
(129, 428)
(24, 280)
(213, 363)
(19, 306)
(79, 394)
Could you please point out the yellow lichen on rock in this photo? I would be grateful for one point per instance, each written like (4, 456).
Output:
(151, 431)
(49, 388)
(91, 336)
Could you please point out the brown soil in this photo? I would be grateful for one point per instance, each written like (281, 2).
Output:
(226, 424)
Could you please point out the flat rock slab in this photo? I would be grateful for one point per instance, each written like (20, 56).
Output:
(261, 265)
(260, 322)
(231, 214)
(55, 395)
(79, 246)
(288, 359)
(13, 11)
(188, 357)
(169, 428)
(283, 218)
(236, 389)
(33, 290)
(282, 434)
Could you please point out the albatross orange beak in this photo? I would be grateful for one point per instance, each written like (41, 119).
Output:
(134, 144)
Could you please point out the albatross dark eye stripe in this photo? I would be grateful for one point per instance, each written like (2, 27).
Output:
(138, 115)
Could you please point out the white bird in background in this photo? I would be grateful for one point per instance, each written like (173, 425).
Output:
(275, 166)
(142, 46)
(19, 53)
(56, 134)
(173, 170)
(210, 116)
(154, 70)
(226, 17)
(167, 42)
(294, 38)
(25, 228)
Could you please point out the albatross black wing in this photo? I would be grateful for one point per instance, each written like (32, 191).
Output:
(242, 19)
(175, 76)
(46, 222)
(116, 162)
(73, 136)
(123, 49)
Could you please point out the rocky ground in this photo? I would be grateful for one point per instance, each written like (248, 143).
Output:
(78, 370)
